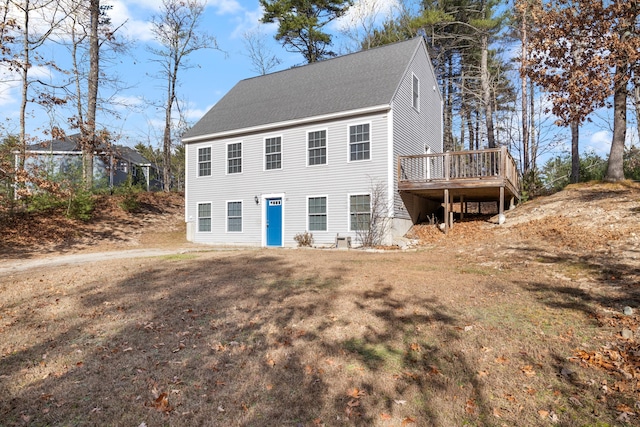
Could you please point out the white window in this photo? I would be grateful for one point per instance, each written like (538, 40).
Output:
(317, 208)
(317, 145)
(360, 211)
(234, 157)
(204, 216)
(359, 142)
(273, 153)
(415, 89)
(234, 216)
(204, 161)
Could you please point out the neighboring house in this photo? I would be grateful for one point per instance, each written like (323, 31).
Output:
(63, 157)
(305, 149)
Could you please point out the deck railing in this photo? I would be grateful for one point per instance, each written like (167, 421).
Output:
(477, 164)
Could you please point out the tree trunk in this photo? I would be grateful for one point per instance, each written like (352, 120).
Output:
(448, 115)
(24, 71)
(89, 135)
(636, 92)
(486, 89)
(166, 149)
(171, 97)
(534, 141)
(525, 116)
(615, 167)
(575, 152)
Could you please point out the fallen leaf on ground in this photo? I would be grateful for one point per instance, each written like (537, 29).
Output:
(385, 416)
(408, 420)
(162, 403)
(470, 407)
(356, 393)
(528, 371)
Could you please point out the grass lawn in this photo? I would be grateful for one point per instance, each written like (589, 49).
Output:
(438, 337)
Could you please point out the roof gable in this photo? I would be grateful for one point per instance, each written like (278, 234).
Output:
(351, 82)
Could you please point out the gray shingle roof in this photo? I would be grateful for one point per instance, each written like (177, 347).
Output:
(70, 144)
(350, 82)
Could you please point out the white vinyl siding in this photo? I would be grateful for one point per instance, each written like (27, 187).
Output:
(273, 153)
(204, 217)
(234, 217)
(317, 207)
(415, 129)
(359, 142)
(295, 182)
(234, 158)
(359, 211)
(317, 141)
(204, 161)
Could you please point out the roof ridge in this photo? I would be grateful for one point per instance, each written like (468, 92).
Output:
(324, 61)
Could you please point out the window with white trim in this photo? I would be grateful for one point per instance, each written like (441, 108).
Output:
(360, 211)
(317, 147)
(234, 157)
(234, 216)
(359, 142)
(273, 153)
(204, 216)
(317, 213)
(415, 89)
(204, 161)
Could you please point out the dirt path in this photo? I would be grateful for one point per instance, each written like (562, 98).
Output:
(14, 266)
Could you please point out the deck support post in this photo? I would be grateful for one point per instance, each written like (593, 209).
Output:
(446, 211)
(451, 211)
(462, 206)
(501, 206)
(512, 203)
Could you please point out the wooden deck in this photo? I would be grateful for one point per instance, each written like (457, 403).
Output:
(463, 176)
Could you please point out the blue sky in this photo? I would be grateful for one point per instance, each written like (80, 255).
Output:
(211, 75)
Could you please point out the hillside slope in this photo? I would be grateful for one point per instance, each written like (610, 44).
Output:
(158, 221)
(593, 218)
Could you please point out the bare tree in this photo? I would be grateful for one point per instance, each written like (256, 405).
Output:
(176, 30)
(372, 227)
(28, 39)
(88, 33)
(262, 59)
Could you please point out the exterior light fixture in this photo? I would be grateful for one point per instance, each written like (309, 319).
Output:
(256, 199)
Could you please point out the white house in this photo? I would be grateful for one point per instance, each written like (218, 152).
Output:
(303, 149)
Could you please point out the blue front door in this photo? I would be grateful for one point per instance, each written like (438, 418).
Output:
(274, 222)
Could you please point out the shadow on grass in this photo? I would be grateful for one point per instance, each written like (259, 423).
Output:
(235, 339)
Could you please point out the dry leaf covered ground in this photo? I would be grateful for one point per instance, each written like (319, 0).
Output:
(520, 324)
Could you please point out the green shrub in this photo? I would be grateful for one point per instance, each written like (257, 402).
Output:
(44, 201)
(81, 206)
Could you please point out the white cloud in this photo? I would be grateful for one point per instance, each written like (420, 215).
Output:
(250, 21)
(127, 101)
(365, 12)
(225, 7)
(599, 142)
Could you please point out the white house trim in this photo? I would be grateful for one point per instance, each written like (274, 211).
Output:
(226, 157)
(326, 147)
(348, 140)
(264, 152)
(392, 164)
(226, 216)
(326, 213)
